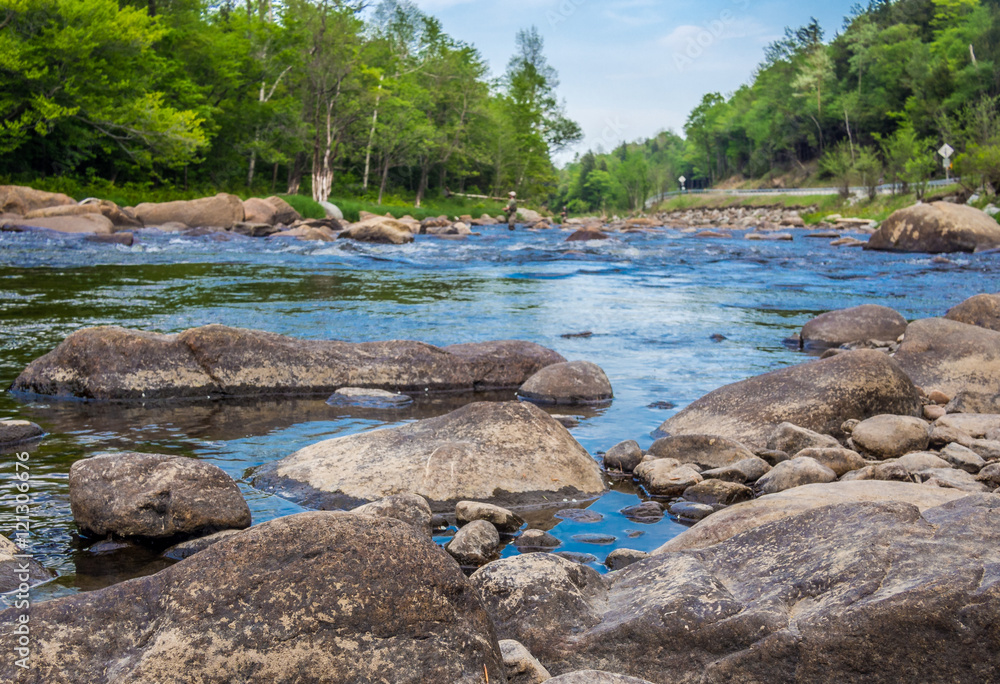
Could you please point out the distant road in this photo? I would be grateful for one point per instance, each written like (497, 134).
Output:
(861, 191)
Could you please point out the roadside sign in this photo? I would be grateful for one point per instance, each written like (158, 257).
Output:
(946, 151)
(682, 180)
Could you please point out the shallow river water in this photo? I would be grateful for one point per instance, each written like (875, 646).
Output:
(653, 302)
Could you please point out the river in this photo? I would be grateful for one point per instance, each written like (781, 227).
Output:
(652, 300)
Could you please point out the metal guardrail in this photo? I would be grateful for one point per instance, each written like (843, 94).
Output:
(860, 190)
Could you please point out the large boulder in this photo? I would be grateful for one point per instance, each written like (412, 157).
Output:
(112, 363)
(19, 573)
(80, 223)
(573, 382)
(820, 395)
(221, 211)
(508, 454)
(859, 324)
(19, 199)
(121, 218)
(773, 507)
(982, 310)
(856, 592)
(936, 228)
(955, 358)
(314, 597)
(379, 229)
(271, 211)
(153, 497)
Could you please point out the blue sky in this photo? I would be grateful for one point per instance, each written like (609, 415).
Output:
(630, 68)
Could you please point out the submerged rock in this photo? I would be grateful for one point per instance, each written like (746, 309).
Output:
(329, 597)
(506, 453)
(858, 324)
(369, 398)
(153, 497)
(819, 395)
(112, 363)
(935, 228)
(571, 383)
(858, 588)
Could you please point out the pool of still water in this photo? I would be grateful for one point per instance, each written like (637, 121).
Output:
(652, 300)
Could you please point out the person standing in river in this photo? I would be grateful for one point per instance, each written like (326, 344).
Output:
(511, 210)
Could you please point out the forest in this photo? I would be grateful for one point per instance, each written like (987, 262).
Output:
(871, 105)
(317, 97)
(377, 102)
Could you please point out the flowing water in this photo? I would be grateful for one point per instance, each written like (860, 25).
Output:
(653, 302)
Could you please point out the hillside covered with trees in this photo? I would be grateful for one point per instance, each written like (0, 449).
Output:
(871, 105)
(317, 96)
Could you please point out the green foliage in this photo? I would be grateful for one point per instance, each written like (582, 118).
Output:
(306, 206)
(323, 96)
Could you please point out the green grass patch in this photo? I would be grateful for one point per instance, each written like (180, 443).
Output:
(306, 206)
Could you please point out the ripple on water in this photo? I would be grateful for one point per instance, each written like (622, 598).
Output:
(652, 301)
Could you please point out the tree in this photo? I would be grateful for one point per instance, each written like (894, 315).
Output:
(838, 162)
(80, 80)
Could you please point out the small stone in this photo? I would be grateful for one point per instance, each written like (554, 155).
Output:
(570, 383)
(623, 457)
(921, 460)
(647, 512)
(566, 421)
(368, 398)
(794, 473)
(596, 538)
(938, 397)
(963, 458)
(990, 474)
(952, 478)
(707, 451)
(792, 439)
(621, 558)
(580, 515)
(536, 540)
(988, 449)
(848, 425)
(773, 457)
(892, 471)
(841, 461)
(662, 405)
(17, 431)
(691, 511)
(747, 470)
(663, 478)
(506, 522)
(410, 508)
(575, 557)
(521, 666)
(717, 492)
(475, 544)
(933, 412)
(888, 436)
(942, 436)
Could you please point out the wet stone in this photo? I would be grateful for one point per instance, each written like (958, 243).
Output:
(691, 511)
(646, 512)
(580, 515)
(621, 558)
(536, 540)
(595, 538)
(368, 398)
